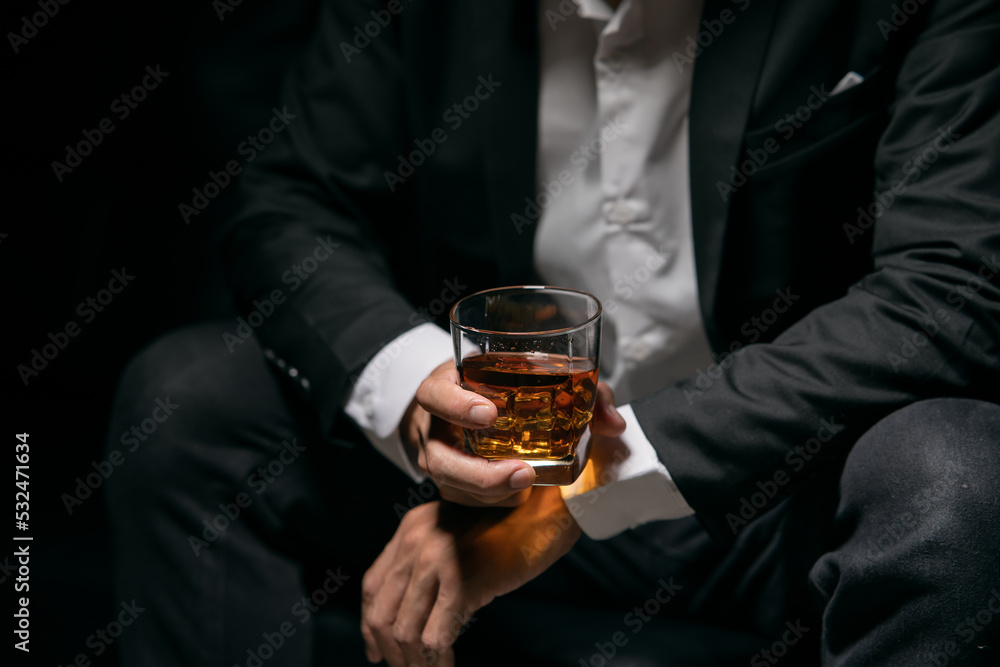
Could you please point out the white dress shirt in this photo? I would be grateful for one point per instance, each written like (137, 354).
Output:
(616, 222)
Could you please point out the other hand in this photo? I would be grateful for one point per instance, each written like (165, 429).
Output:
(433, 423)
(445, 562)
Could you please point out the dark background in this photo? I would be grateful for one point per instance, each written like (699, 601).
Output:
(119, 208)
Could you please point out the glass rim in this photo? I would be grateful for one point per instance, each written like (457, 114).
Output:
(525, 288)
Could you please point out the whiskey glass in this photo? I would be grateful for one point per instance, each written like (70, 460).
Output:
(533, 351)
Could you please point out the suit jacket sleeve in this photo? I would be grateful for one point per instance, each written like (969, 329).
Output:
(320, 184)
(925, 322)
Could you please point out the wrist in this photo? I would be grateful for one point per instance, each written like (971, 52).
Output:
(550, 530)
(550, 504)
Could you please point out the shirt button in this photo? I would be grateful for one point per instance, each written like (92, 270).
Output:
(620, 213)
(304, 383)
(293, 372)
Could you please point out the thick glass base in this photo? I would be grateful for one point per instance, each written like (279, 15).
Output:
(557, 472)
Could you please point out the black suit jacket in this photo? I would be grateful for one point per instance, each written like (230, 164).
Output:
(883, 304)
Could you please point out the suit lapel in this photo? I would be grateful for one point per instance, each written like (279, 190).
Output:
(508, 50)
(725, 77)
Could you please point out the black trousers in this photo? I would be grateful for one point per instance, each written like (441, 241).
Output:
(244, 534)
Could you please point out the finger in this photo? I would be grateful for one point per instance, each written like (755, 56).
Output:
(453, 495)
(415, 422)
(446, 658)
(445, 623)
(372, 654)
(370, 585)
(491, 481)
(606, 421)
(443, 658)
(442, 395)
(374, 576)
(383, 610)
(440, 431)
(414, 609)
(385, 582)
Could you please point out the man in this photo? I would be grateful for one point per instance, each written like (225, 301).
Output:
(790, 214)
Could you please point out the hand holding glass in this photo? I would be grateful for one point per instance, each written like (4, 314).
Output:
(533, 352)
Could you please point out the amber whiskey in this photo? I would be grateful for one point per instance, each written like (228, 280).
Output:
(544, 403)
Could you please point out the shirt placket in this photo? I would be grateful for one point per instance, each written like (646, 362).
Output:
(622, 182)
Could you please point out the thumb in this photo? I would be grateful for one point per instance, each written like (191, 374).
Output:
(442, 396)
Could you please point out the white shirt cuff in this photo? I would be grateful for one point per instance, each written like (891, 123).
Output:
(623, 486)
(388, 384)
